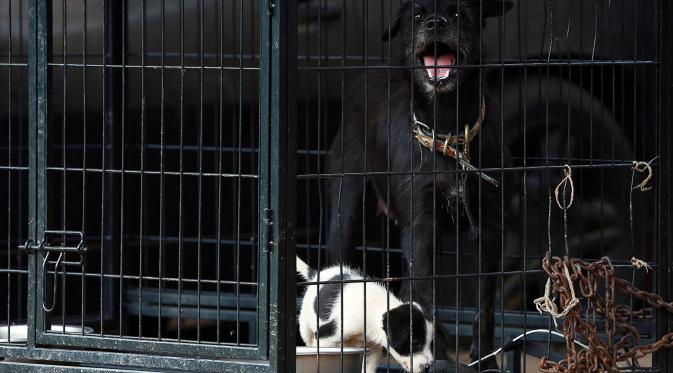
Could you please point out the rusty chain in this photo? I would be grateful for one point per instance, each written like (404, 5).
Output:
(597, 283)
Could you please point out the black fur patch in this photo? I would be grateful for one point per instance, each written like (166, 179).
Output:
(396, 326)
(326, 330)
(322, 304)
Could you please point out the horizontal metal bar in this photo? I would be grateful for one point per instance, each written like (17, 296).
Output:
(64, 249)
(150, 345)
(16, 271)
(484, 169)
(13, 64)
(532, 320)
(153, 67)
(432, 277)
(166, 362)
(418, 278)
(146, 172)
(13, 168)
(507, 65)
(16, 366)
(194, 313)
(162, 279)
(175, 239)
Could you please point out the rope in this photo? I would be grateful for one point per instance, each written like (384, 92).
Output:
(547, 304)
(640, 264)
(568, 179)
(642, 167)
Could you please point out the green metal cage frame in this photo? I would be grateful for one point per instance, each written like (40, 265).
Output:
(275, 308)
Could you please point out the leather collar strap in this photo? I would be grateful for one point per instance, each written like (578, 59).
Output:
(449, 144)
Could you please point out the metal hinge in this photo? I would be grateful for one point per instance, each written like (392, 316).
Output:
(60, 242)
(268, 223)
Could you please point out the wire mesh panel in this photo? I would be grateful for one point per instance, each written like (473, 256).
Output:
(389, 96)
(151, 184)
(13, 170)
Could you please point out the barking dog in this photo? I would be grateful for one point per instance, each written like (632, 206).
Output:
(431, 119)
(386, 325)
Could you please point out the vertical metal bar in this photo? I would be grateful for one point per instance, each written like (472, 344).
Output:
(319, 181)
(200, 194)
(141, 216)
(389, 55)
(341, 179)
(64, 30)
(365, 22)
(218, 239)
(181, 232)
(457, 179)
(263, 267)
(161, 163)
(9, 172)
(524, 177)
(84, 165)
(122, 145)
(501, 39)
(38, 52)
(239, 145)
(105, 94)
(278, 174)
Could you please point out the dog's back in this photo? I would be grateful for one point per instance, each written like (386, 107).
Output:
(341, 307)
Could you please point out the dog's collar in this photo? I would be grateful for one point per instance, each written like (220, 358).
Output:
(451, 145)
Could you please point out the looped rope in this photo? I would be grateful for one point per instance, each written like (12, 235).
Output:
(568, 179)
(547, 304)
(640, 264)
(642, 167)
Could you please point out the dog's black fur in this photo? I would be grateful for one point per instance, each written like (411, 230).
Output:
(445, 105)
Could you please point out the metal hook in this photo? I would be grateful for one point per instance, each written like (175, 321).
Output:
(54, 285)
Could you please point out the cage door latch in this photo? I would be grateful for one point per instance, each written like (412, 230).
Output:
(56, 244)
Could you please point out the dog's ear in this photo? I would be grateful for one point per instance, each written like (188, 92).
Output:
(392, 31)
(496, 8)
(405, 7)
(396, 326)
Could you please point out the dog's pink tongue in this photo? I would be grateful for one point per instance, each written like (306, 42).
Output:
(438, 72)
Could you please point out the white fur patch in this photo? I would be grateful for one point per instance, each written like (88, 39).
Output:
(362, 321)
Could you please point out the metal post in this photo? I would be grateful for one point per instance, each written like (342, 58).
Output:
(278, 176)
(38, 51)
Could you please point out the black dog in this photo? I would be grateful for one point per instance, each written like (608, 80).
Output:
(396, 138)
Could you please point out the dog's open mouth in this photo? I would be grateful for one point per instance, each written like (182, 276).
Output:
(437, 57)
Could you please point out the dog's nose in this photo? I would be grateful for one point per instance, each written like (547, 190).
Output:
(436, 21)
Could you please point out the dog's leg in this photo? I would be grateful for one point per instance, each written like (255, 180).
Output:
(484, 323)
(345, 195)
(417, 248)
(416, 243)
(373, 358)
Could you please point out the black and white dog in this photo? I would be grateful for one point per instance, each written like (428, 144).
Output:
(430, 119)
(382, 321)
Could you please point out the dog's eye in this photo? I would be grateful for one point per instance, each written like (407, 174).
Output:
(418, 17)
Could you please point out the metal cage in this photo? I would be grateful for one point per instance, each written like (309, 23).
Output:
(163, 161)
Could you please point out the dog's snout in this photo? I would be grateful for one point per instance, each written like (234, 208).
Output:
(435, 21)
